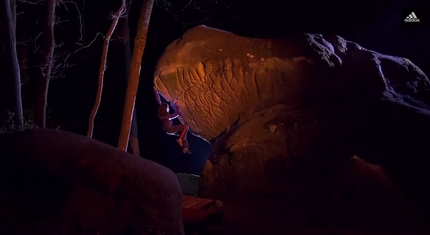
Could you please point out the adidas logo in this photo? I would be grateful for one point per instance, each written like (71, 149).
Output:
(411, 18)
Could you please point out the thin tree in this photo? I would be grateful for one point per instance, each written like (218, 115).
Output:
(124, 34)
(135, 67)
(47, 63)
(10, 19)
(115, 18)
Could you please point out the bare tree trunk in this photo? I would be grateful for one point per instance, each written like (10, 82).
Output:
(23, 56)
(135, 66)
(47, 64)
(125, 41)
(13, 13)
(102, 68)
(10, 19)
(24, 60)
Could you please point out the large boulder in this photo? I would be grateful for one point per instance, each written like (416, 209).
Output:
(55, 182)
(283, 115)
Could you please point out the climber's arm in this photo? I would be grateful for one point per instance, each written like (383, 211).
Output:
(157, 96)
(174, 115)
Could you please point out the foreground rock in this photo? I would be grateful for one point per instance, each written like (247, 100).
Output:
(55, 182)
(354, 193)
(283, 116)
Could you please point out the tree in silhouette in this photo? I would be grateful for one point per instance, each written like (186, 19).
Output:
(9, 14)
(115, 18)
(47, 64)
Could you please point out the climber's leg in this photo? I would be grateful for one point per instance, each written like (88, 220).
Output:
(183, 137)
(182, 140)
(184, 132)
(185, 147)
(174, 129)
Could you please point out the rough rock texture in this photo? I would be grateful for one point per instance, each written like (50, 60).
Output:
(189, 184)
(283, 115)
(55, 182)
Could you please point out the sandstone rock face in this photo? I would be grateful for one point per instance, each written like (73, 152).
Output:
(55, 182)
(283, 115)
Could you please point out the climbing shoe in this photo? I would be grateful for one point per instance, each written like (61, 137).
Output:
(186, 150)
(180, 142)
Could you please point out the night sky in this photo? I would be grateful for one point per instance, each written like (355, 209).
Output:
(376, 26)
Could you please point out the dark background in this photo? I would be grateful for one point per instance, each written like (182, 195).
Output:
(376, 25)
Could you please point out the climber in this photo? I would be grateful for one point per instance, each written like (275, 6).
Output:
(166, 118)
